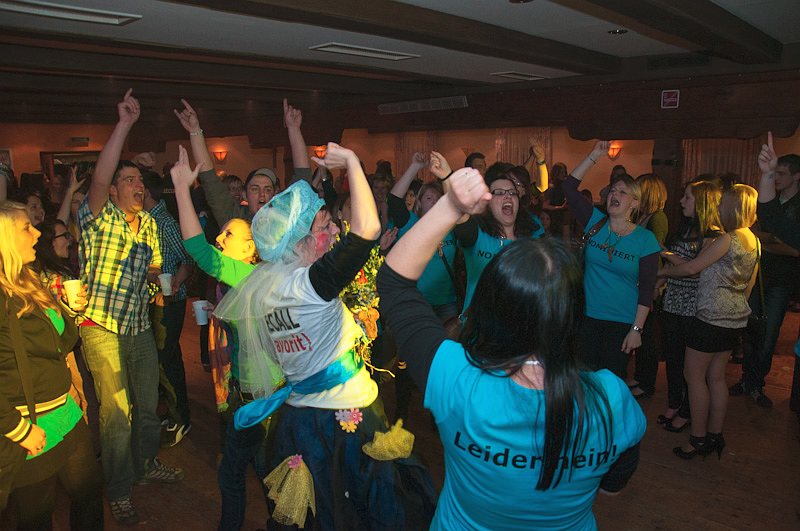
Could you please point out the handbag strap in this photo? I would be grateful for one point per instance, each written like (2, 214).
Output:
(23, 367)
(594, 230)
(452, 275)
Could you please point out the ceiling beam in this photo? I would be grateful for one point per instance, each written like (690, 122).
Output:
(410, 23)
(700, 22)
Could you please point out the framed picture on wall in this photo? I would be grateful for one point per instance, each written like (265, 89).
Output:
(5, 157)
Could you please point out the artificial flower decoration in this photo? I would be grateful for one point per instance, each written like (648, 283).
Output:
(295, 461)
(349, 419)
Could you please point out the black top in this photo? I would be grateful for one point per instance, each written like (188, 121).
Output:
(779, 269)
(338, 267)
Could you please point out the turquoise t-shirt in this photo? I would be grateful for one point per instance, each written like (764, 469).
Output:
(611, 276)
(435, 283)
(492, 430)
(477, 257)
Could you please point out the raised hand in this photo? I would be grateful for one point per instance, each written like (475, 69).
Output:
(767, 159)
(182, 174)
(387, 238)
(336, 157)
(469, 193)
(128, 109)
(439, 166)
(536, 148)
(418, 159)
(600, 149)
(74, 182)
(292, 118)
(188, 117)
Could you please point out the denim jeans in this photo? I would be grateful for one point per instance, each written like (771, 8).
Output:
(125, 371)
(241, 447)
(171, 358)
(758, 358)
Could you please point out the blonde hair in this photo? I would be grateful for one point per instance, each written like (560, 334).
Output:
(740, 209)
(18, 279)
(707, 196)
(653, 194)
(633, 189)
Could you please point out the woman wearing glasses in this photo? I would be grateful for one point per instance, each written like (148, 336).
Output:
(620, 267)
(482, 237)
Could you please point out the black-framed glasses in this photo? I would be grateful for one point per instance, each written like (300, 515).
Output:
(503, 191)
(66, 235)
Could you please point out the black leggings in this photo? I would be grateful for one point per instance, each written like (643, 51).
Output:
(82, 480)
(600, 345)
(675, 329)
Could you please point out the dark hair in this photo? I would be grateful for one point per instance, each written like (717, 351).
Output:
(46, 258)
(497, 169)
(123, 164)
(528, 304)
(31, 182)
(341, 199)
(727, 180)
(154, 184)
(473, 156)
(524, 225)
(414, 187)
(559, 172)
(791, 161)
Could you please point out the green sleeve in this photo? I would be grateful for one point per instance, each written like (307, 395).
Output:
(223, 206)
(216, 264)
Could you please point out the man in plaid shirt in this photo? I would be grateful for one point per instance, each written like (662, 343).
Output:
(167, 312)
(119, 253)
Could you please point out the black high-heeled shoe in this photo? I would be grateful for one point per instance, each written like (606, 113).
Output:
(716, 443)
(700, 446)
(677, 429)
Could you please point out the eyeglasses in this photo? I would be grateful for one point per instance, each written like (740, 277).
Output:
(503, 191)
(66, 235)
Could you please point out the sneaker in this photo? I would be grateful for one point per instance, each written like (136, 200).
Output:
(161, 473)
(737, 389)
(761, 399)
(123, 511)
(174, 433)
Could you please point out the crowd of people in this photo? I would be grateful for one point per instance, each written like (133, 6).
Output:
(507, 297)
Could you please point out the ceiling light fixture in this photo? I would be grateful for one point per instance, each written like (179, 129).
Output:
(80, 14)
(362, 51)
(618, 31)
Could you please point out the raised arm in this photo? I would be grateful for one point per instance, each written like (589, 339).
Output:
(538, 166)
(74, 186)
(190, 121)
(128, 110)
(600, 149)
(401, 186)
(767, 163)
(293, 120)
(364, 214)
(182, 178)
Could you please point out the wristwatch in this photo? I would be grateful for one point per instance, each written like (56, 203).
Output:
(636, 328)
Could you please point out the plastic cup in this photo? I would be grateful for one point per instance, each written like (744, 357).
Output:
(166, 283)
(72, 288)
(200, 312)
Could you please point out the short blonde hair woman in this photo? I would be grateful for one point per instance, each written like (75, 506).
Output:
(34, 333)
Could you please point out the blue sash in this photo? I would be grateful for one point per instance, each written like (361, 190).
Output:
(342, 369)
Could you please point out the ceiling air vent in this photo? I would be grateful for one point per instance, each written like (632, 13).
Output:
(433, 104)
(516, 76)
(65, 12)
(362, 51)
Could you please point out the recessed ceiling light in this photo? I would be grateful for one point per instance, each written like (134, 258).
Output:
(362, 51)
(520, 1)
(80, 14)
(517, 76)
(618, 31)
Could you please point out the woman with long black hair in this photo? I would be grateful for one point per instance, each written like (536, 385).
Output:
(529, 437)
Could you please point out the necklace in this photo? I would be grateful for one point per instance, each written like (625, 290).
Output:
(608, 245)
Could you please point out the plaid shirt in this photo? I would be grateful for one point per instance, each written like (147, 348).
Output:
(169, 236)
(114, 263)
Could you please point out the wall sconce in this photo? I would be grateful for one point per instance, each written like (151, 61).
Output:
(319, 151)
(221, 156)
(614, 151)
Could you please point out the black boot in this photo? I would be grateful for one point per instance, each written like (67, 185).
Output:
(715, 443)
(700, 446)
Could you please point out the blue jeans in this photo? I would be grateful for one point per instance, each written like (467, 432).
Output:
(241, 447)
(171, 358)
(125, 371)
(758, 358)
